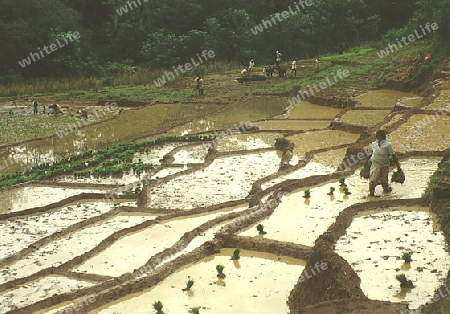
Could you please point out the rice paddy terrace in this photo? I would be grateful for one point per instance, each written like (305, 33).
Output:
(115, 229)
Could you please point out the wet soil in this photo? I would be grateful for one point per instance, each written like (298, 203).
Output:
(208, 200)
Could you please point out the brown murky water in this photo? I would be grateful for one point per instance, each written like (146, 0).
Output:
(375, 242)
(309, 141)
(383, 98)
(258, 282)
(364, 117)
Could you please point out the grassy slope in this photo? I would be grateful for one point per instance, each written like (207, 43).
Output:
(367, 71)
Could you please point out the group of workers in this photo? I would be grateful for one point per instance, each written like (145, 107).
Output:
(56, 109)
(278, 56)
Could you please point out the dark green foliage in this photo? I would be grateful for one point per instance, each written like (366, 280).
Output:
(162, 34)
(406, 256)
(157, 305)
(236, 253)
(113, 161)
(401, 278)
(307, 193)
(220, 268)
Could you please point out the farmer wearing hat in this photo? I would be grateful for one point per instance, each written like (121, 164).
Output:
(380, 150)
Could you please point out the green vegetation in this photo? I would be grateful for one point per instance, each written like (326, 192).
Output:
(332, 189)
(195, 310)
(346, 190)
(440, 175)
(347, 54)
(220, 269)
(307, 193)
(260, 229)
(342, 181)
(189, 285)
(236, 253)
(402, 278)
(228, 29)
(157, 305)
(406, 256)
(398, 176)
(103, 162)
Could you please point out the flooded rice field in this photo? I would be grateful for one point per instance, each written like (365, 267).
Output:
(129, 239)
(375, 242)
(256, 283)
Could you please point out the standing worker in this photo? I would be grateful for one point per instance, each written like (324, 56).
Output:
(380, 151)
(294, 67)
(35, 105)
(278, 57)
(200, 86)
(251, 64)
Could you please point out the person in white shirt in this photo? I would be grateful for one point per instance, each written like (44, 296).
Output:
(294, 67)
(380, 151)
(251, 64)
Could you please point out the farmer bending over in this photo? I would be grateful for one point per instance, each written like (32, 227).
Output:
(380, 151)
(56, 109)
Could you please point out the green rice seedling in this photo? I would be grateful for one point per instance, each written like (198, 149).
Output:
(189, 285)
(332, 189)
(260, 229)
(219, 269)
(158, 306)
(195, 310)
(236, 254)
(406, 256)
(342, 181)
(307, 193)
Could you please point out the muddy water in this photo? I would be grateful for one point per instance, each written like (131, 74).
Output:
(293, 125)
(35, 196)
(301, 220)
(364, 117)
(246, 141)
(309, 141)
(68, 247)
(191, 155)
(250, 109)
(383, 98)
(422, 133)
(128, 126)
(442, 102)
(17, 234)
(136, 249)
(374, 243)
(38, 290)
(306, 110)
(321, 164)
(417, 172)
(258, 283)
(225, 179)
